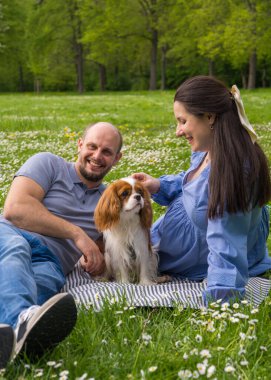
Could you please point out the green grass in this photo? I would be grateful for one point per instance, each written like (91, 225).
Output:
(119, 342)
(43, 112)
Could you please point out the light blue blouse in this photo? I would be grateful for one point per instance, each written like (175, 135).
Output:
(226, 250)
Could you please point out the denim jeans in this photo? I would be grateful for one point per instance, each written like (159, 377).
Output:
(29, 273)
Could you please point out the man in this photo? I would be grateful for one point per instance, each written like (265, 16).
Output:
(46, 227)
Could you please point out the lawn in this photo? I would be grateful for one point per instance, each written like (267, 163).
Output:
(121, 342)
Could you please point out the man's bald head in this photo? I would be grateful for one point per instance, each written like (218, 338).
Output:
(105, 125)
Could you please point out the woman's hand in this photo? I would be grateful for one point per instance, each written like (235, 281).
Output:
(152, 184)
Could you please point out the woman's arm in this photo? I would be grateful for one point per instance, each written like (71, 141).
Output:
(227, 260)
(170, 187)
(163, 189)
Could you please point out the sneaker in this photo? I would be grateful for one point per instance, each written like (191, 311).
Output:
(41, 328)
(7, 344)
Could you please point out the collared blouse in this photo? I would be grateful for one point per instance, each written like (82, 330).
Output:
(226, 250)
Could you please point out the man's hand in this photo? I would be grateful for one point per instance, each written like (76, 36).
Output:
(92, 260)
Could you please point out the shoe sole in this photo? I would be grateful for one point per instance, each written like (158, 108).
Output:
(48, 327)
(7, 344)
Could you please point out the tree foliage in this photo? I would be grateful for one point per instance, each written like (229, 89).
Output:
(132, 44)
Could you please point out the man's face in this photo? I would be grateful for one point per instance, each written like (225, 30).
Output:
(97, 153)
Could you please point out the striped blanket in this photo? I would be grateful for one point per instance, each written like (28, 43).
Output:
(93, 293)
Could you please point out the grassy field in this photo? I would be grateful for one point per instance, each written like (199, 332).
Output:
(121, 342)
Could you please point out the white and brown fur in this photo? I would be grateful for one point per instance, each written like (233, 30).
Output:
(124, 215)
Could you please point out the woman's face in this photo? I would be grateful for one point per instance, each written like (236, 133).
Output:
(196, 130)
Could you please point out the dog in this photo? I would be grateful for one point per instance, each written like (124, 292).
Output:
(124, 216)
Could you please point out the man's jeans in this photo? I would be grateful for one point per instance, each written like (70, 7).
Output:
(29, 273)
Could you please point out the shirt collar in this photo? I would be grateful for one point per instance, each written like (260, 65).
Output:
(76, 179)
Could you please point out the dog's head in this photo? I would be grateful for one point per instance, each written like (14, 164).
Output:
(124, 197)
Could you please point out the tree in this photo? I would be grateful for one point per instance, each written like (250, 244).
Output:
(55, 49)
(13, 16)
(77, 46)
(150, 12)
(247, 37)
(263, 44)
(240, 41)
(118, 44)
(207, 20)
(111, 35)
(3, 25)
(180, 36)
(127, 29)
(156, 14)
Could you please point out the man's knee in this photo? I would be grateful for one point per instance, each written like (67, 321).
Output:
(13, 246)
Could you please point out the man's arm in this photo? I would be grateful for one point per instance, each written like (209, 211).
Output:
(24, 208)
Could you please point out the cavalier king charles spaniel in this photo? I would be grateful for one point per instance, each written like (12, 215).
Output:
(124, 215)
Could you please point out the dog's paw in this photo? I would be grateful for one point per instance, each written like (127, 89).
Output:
(164, 278)
(146, 281)
(100, 278)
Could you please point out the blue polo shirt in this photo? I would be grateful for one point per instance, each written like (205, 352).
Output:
(66, 197)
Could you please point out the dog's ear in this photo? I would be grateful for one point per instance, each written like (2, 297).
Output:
(146, 212)
(107, 212)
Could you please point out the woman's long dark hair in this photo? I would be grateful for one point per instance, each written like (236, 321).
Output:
(239, 177)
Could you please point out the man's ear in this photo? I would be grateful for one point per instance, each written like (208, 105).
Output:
(118, 157)
(79, 144)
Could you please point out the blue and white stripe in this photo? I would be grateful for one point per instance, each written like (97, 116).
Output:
(94, 293)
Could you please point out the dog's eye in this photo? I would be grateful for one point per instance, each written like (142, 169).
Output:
(124, 194)
(140, 192)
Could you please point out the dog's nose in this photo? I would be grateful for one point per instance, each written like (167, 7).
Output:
(138, 197)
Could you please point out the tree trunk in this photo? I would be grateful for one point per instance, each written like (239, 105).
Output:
(37, 85)
(244, 80)
(252, 71)
(102, 77)
(75, 22)
(116, 77)
(79, 67)
(21, 78)
(264, 77)
(153, 68)
(211, 67)
(163, 68)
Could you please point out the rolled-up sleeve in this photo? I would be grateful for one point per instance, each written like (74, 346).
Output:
(170, 187)
(227, 259)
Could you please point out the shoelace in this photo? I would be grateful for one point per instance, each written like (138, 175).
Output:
(23, 317)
